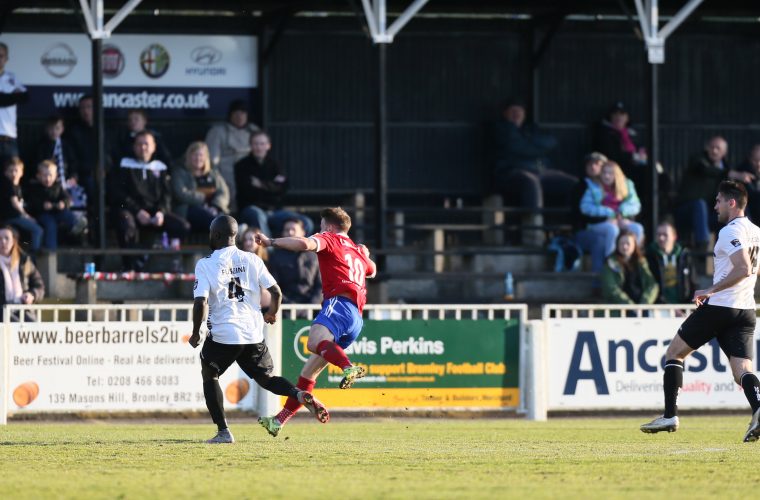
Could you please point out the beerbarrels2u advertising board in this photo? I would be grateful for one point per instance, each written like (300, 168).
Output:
(419, 363)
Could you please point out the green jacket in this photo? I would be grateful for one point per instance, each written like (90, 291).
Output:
(612, 283)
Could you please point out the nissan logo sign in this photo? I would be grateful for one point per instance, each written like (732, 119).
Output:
(206, 56)
(59, 60)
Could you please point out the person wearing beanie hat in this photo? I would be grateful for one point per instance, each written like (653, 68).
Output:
(229, 142)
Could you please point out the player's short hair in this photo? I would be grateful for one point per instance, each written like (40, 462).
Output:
(45, 164)
(732, 190)
(337, 216)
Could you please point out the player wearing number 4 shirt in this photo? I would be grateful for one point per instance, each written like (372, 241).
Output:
(344, 266)
(725, 311)
(228, 284)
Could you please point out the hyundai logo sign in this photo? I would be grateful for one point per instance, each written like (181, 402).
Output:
(206, 56)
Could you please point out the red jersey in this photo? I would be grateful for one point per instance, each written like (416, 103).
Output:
(343, 267)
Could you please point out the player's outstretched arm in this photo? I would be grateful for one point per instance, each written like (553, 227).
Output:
(274, 306)
(292, 243)
(200, 308)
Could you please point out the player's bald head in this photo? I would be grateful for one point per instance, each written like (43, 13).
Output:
(223, 229)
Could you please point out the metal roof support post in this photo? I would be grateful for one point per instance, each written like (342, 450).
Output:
(98, 30)
(654, 38)
(375, 13)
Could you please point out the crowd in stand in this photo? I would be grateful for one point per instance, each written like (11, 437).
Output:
(605, 203)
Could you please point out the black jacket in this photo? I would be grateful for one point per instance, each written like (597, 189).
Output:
(140, 188)
(297, 273)
(700, 180)
(270, 177)
(45, 150)
(8, 190)
(37, 195)
(684, 269)
(31, 280)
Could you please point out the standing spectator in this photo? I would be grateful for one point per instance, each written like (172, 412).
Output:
(137, 121)
(748, 173)
(626, 278)
(11, 94)
(54, 147)
(142, 199)
(230, 141)
(200, 193)
(262, 184)
(671, 267)
(594, 234)
(12, 208)
(615, 199)
(521, 170)
(21, 282)
(296, 273)
(49, 205)
(81, 135)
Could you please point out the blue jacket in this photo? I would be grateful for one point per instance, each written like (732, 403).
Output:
(591, 203)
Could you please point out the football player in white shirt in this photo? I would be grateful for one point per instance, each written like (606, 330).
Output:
(227, 286)
(726, 311)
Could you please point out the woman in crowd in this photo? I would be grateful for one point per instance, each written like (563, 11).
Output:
(200, 193)
(21, 282)
(613, 198)
(626, 278)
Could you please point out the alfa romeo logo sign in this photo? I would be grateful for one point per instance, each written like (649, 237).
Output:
(154, 61)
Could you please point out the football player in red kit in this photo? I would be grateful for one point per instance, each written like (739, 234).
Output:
(344, 266)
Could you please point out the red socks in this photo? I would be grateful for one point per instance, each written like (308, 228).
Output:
(292, 405)
(333, 353)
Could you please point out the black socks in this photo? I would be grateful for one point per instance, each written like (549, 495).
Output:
(215, 402)
(672, 381)
(751, 386)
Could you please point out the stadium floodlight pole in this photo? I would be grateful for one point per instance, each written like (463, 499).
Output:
(98, 30)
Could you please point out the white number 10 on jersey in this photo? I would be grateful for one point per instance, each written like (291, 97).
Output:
(356, 271)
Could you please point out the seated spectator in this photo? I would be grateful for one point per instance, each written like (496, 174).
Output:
(262, 183)
(615, 199)
(49, 205)
(695, 217)
(297, 273)
(229, 142)
(594, 234)
(61, 152)
(521, 170)
(21, 282)
(626, 278)
(142, 199)
(200, 193)
(748, 173)
(12, 207)
(137, 121)
(247, 243)
(670, 264)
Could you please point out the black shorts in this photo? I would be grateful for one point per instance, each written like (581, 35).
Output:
(253, 359)
(733, 328)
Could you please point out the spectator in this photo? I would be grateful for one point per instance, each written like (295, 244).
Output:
(21, 283)
(142, 198)
(626, 278)
(705, 171)
(137, 121)
(49, 205)
(615, 199)
(748, 173)
(54, 147)
(297, 273)
(521, 170)
(200, 193)
(12, 208)
(247, 243)
(11, 94)
(81, 135)
(263, 183)
(229, 142)
(671, 266)
(594, 234)
(616, 140)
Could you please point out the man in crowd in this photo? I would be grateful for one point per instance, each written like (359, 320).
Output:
(11, 94)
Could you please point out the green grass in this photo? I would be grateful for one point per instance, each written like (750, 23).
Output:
(382, 458)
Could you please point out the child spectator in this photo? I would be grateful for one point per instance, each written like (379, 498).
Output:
(626, 278)
(671, 266)
(616, 199)
(12, 210)
(49, 204)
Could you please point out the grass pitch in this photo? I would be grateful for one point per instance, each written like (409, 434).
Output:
(382, 458)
